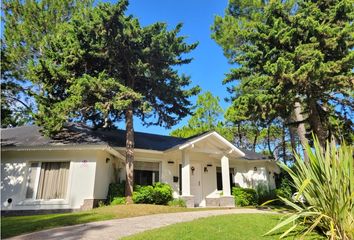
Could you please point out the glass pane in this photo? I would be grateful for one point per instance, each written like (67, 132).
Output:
(157, 179)
(219, 180)
(32, 173)
(144, 178)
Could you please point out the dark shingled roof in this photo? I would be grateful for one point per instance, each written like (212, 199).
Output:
(76, 134)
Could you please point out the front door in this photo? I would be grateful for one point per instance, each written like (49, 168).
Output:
(196, 183)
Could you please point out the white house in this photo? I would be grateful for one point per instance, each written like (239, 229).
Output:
(72, 170)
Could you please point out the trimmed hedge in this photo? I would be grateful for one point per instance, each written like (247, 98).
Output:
(159, 193)
(244, 196)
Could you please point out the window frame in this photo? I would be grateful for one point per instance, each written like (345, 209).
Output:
(153, 174)
(231, 177)
(34, 200)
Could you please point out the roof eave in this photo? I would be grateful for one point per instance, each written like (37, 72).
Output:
(80, 147)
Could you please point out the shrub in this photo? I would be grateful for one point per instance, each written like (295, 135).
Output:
(159, 193)
(115, 190)
(326, 181)
(118, 201)
(177, 202)
(244, 196)
(163, 193)
(264, 194)
(285, 189)
(144, 194)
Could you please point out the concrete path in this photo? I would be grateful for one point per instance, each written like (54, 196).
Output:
(118, 228)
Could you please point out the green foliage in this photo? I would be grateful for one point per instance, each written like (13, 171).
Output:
(287, 52)
(162, 193)
(118, 201)
(177, 202)
(245, 196)
(102, 62)
(115, 190)
(27, 27)
(285, 189)
(144, 194)
(327, 184)
(207, 115)
(159, 193)
(264, 194)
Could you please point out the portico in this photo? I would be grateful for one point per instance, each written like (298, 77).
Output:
(200, 158)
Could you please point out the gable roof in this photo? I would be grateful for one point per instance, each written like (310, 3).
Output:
(78, 134)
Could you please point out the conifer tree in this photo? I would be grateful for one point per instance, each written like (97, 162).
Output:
(102, 67)
(294, 62)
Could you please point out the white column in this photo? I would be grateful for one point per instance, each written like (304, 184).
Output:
(225, 172)
(186, 176)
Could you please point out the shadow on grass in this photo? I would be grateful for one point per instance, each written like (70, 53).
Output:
(12, 226)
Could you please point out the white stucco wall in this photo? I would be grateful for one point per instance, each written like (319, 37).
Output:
(14, 171)
(246, 177)
(168, 170)
(104, 174)
(90, 174)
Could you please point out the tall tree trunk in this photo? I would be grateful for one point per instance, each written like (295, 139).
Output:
(284, 144)
(255, 141)
(239, 135)
(292, 133)
(316, 124)
(268, 140)
(301, 130)
(129, 156)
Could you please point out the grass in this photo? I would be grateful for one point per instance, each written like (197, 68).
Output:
(238, 226)
(13, 226)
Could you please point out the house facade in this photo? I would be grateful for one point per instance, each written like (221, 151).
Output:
(73, 169)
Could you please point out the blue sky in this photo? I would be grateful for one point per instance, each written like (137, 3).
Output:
(209, 65)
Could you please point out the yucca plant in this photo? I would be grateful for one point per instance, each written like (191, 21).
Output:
(326, 181)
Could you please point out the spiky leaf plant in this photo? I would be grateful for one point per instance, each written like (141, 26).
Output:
(327, 184)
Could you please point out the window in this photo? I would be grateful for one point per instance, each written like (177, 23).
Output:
(146, 173)
(219, 178)
(180, 179)
(47, 180)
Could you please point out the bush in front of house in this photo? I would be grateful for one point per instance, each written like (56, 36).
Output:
(285, 189)
(118, 201)
(159, 193)
(115, 190)
(264, 194)
(177, 202)
(244, 196)
(143, 194)
(163, 193)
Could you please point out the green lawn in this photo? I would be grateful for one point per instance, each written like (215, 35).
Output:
(238, 226)
(12, 226)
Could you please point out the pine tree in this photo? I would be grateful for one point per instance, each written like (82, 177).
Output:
(206, 116)
(102, 67)
(294, 61)
(27, 24)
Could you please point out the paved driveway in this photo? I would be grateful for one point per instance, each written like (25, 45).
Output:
(118, 228)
